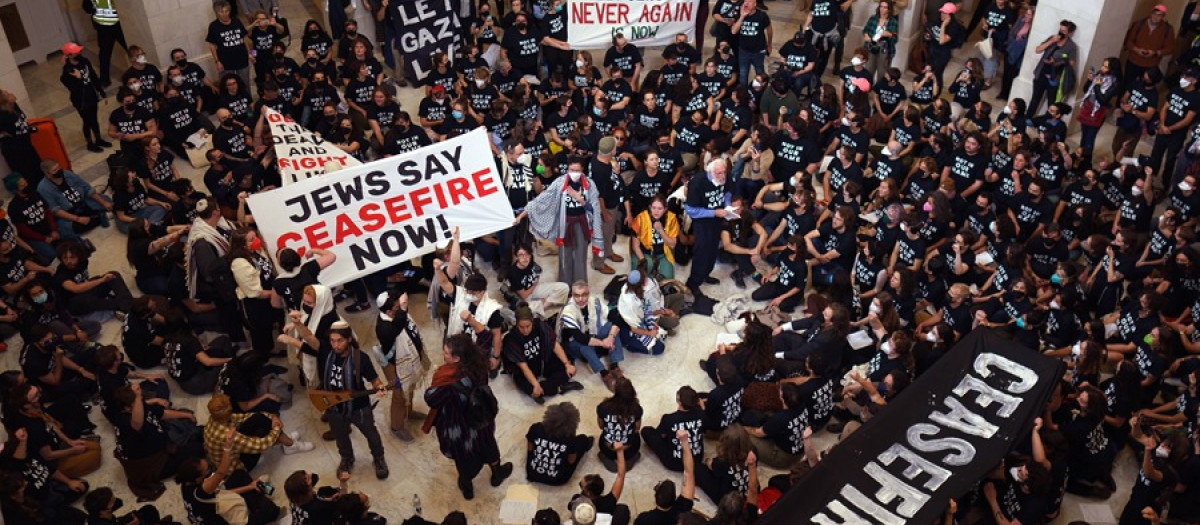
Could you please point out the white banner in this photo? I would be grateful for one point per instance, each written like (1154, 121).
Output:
(591, 24)
(301, 153)
(385, 212)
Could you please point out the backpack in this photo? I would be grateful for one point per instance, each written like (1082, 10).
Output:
(481, 408)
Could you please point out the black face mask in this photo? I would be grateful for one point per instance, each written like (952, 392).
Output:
(352, 34)
(521, 26)
(117, 504)
(181, 62)
(314, 479)
(311, 61)
(278, 56)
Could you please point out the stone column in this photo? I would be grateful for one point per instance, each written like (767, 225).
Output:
(1100, 34)
(158, 26)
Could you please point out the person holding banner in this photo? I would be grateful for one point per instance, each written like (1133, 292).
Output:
(517, 177)
(254, 274)
(472, 311)
(208, 277)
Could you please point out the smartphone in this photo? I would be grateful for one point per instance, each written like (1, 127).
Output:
(266, 488)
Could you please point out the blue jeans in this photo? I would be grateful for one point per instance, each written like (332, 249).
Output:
(152, 214)
(1087, 138)
(66, 229)
(745, 60)
(588, 353)
(44, 249)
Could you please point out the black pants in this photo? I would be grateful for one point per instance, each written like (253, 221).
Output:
(110, 296)
(21, 157)
(771, 290)
(938, 59)
(260, 318)
(91, 124)
(106, 36)
(664, 449)
(340, 422)
(552, 378)
(1168, 145)
(1133, 72)
(708, 482)
(708, 241)
(260, 509)
(1041, 88)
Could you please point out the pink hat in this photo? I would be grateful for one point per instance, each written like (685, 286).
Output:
(861, 84)
(71, 48)
(1161, 8)
(949, 8)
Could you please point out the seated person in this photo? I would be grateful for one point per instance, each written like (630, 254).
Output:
(76, 205)
(85, 294)
(586, 333)
(538, 364)
(790, 276)
(784, 438)
(546, 299)
(722, 405)
(667, 506)
(688, 417)
(553, 449)
(310, 505)
(191, 363)
(639, 332)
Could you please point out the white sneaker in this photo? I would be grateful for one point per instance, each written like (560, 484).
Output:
(295, 435)
(297, 447)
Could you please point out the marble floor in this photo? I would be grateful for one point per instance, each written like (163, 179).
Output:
(418, 467)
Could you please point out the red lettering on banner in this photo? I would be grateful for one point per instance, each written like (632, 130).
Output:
(460, 190)
(283, 240)
(397, 209)
(317, 236)
(419, 199)
(345, 228)
(372, 216)
(484, 186)
(599, 13)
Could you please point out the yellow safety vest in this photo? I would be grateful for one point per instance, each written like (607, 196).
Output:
(106, 13)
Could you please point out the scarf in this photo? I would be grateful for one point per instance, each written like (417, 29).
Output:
(215, 237)
(445, 375)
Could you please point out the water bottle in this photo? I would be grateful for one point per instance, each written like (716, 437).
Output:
(417, 504)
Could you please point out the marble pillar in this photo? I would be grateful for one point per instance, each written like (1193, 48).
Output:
(158, 26)
(1100, 33)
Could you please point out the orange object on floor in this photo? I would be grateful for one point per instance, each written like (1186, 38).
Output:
(48, 142)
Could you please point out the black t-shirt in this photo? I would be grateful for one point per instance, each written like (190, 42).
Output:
(665, 517)
(521, 279)
(752, 35)
(1030, 214)
(398, 141)
(14, 123)
(626, 59)
(181, 355)
(228, 39)
(1179, 102)
(614, 429)
(702, 192)
(644, 188)
(534, 349)
(137, 444)
(201, 506)
(724, 404)
(523, 49)
(129, 122)
(546, 462)
(967, 169)
(786, 429)
(432, 110)
(825, 15)
(792, 155)
(316, 512)
(291, 289)
(608, 183)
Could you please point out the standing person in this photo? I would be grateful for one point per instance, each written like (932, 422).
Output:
(79, 77)
(206, 272)
(1054, 76)
(1177, 114)
(254, 274)
(1014, 51)
(1139, 104)
(997, 21)
(343, 366)
(1146, 43)
(944, 36)
(707, 198)
(754, 32)
(568, 213)
(108, 32)
(611, 188)
(229, 43)
(402, 352)
(1100, 87)
(16, 144)
(468, 440)
(880, 34)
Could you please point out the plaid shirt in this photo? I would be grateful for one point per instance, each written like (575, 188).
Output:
(214, 440)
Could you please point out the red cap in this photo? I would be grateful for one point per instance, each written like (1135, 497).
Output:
(949, 8)
(1161, 8)
(438, 89)
(861, 84)
(71, 48)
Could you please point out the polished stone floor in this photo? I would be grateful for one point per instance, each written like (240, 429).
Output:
(418, 468)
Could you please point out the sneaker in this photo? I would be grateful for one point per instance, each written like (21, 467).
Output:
(467, 488)
(103, 143)
(570, 386)
(295, 435)
(328, 435)
(499, 474)
(347, 466)
(358, 307)
(712, 280)
(297, 447)
(94, 148)
(403, 434)
(381, 468)
(739, 281)
(704, 365)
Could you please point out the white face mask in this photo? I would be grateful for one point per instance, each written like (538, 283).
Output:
(1185, 186)
(135, 86)
(756, 84)
(886, 348)
(1184, 83)
(479, 83)
(1136, 191)
(1162, 452)
(931, 337)
(178, 79)
(1076, 350)
(575, 175)
(856, 61)
(1015, 472)
(474, 298)
(846, 121)
(1054, 304)
(141, 59)
(1007, 110)
(885, 152)
(579, 63)
(874, 308)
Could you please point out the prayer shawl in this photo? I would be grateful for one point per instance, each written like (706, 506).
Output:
(215, 237)
(548, 214)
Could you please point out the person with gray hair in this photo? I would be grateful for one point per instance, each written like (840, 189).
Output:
(586, 333)
(553, 447)
(708, 196)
